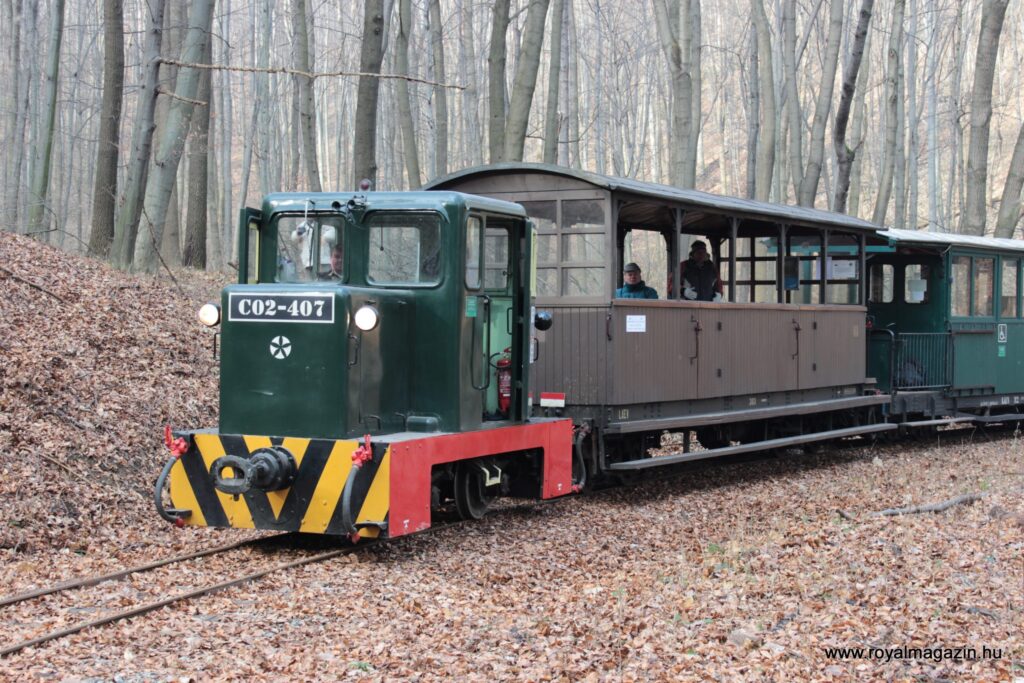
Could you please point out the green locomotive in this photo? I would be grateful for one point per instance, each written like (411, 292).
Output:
(374, 366)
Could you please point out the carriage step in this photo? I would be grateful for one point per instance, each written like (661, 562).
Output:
(938, 422)
(1004, 417)
(646, 463)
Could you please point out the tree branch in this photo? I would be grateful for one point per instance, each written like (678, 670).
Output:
(934, 507)
(31, 284)
(315, 74)
(175, 96)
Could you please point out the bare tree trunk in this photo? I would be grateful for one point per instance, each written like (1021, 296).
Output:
(992, 14)
(753, 116)
(164, 168)
(571, 128)
(412, 158)
(792, 106)
(551, 113)
(193, 254)
(20, 114)
(104, 199)
(696, 104)
(858, 132)
(935, 218)
(892, 78)
(526, 81)
(900, 151)
(845, 155)
(215, 258)
(955, 200)
(440, 94)
(913, 143)
(364, 150)
(304, 88)
(38, 210)
(816, 152)
(126, 228)
(674, 21)
(470, 111)
(1010, 205)
(766, 89)
(496, 81)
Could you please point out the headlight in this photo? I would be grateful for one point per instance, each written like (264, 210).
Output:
(209, 314)
(366, 318)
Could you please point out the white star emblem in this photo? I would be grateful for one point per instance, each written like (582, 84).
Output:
(280, 347)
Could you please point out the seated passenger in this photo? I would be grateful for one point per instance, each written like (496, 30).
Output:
(700, 275)
(632, 286)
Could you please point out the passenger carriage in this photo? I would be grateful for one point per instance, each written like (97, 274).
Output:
(947, 338)
(779, 362)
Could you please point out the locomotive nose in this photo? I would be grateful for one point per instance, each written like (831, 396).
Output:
(266, 469)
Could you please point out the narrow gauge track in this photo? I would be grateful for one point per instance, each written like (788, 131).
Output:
(155, 605)
(678, 471)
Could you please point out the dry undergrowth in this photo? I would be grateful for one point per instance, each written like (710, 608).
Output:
(739, 571)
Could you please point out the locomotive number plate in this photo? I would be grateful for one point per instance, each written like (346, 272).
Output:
(281, 308)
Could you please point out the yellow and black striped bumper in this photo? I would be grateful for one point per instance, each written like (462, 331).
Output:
(313, 501)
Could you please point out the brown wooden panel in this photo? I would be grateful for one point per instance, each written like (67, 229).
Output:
(573, 355)
(658, 364)
(740, 350)
(839, 348)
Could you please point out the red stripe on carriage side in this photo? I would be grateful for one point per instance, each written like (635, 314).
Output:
(411, 462)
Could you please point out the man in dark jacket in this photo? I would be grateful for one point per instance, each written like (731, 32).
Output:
(632, 286)
(700, 275)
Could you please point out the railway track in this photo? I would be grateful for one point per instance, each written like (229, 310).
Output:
(150, 606)
(146, 607)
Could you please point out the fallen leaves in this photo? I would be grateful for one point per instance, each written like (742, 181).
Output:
(742, 571)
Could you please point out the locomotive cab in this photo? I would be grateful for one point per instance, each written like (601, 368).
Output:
(403, 332)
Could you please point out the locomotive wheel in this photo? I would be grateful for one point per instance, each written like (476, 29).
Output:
(472, 499)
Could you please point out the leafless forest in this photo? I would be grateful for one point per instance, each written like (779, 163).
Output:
(129, 126)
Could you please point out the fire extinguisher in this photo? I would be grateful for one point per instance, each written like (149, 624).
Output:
(504, 370)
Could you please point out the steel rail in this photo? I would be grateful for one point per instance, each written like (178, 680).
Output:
(153, 606)
(93, 580)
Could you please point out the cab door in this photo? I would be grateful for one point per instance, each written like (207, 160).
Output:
(496, 319)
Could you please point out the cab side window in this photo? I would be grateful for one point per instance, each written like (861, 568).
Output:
(882, 278)
(984, 281)
(915, 283)
(960, 300)
(496, 255)
(1008, 291)
(474, 229)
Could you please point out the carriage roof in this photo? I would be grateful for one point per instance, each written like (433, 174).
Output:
(642, 192)
(946, 240)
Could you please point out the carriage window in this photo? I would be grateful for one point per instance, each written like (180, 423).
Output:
(405, 248)
(984, 279)
(1008, 295)
(496, 263)
(547, 282)
(582, 214)
(473, 227)
(881, 283)
(915, 283)
(582, 281)
(304, 246)
(569, 246)
(961, 295)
